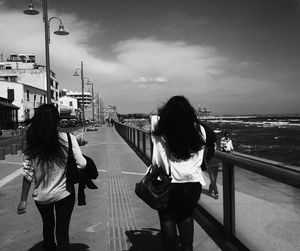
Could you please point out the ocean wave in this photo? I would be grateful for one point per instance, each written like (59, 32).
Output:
(268, 123)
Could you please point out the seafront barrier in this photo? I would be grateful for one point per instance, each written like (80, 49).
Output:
(259, 199)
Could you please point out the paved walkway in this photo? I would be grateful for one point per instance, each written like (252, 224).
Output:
(113, 219)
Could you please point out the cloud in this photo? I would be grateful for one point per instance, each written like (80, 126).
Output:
(132, 61)
(177, 62)
(137, 74)
(150, 80)
(246, 65)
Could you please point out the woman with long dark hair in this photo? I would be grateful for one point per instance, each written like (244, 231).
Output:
(45, 161)
(178, 142)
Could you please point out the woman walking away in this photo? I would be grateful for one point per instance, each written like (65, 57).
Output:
(45, 162)
(178, 141)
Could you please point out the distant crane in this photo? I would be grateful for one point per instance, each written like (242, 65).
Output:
(203, 111)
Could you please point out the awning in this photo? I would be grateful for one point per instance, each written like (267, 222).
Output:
(9, 105)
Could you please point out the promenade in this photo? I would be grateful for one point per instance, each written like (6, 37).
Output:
(113, 219)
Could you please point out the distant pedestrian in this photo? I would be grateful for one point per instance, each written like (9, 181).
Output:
(45, 162)
(179, 141)
(210, 164)
(226, 143)
(111, 121)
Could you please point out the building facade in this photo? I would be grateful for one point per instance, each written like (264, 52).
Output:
(26, 97)
(69, 102)
(87, 97)
(21, 73)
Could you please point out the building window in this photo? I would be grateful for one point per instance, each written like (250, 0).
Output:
(70, 103)
(41, 100)
(34, 99)
(44, 98)
(27, 94)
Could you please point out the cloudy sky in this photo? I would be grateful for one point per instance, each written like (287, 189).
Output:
(234, 56)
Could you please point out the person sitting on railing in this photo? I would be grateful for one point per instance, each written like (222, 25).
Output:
(180, 142)
(226, 143)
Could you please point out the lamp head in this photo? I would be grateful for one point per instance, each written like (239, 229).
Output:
(61, 31)
(31, 11)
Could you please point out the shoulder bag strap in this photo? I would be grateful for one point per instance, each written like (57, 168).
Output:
(70, 152)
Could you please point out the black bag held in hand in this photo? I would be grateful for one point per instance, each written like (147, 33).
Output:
(72, 172)
(154, 187)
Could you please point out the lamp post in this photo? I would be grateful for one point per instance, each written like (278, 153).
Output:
(92, 84)
(98, 109)
(60, 31)
(82, 91)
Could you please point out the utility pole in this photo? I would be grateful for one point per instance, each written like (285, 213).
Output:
(98, 109)
(82, 95)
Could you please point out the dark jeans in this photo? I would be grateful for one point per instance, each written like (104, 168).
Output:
(63, 211)
(178, 213)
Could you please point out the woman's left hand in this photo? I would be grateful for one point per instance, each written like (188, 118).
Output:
(22, 207)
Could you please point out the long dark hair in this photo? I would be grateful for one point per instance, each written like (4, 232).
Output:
(180, 127)
(44, 146)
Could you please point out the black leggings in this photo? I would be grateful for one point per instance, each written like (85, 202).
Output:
(178, 213)
(63, 212)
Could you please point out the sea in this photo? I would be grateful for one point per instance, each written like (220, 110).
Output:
(274, 137)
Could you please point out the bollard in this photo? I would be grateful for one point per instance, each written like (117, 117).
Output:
(13, 148)
(2, 153)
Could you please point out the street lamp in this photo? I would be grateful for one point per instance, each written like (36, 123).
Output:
(92, 84)
(60, 31)
(82, 91)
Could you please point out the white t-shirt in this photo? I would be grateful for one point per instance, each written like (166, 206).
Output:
(56, 188)
(226, 144)
(182, 171)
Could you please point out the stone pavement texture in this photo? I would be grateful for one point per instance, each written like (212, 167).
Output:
(114, 217)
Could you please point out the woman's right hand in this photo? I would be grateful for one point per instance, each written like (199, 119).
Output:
(22, 207)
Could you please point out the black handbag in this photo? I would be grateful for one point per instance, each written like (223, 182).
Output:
(72, 172)
(154, 188)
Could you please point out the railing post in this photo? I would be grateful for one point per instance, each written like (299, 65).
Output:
(144, 143)
(138, 139)
(228, 199)
(130, 132)
(134, 132)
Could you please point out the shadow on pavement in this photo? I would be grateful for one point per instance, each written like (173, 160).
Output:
(147, 239)
(73, 247)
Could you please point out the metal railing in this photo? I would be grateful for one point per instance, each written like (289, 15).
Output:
(243, 181)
